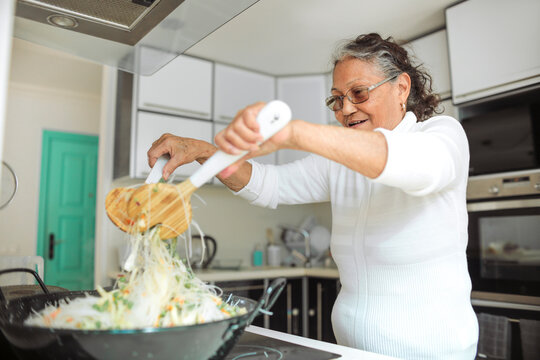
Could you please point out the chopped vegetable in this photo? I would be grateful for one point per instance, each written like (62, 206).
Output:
(158, 291)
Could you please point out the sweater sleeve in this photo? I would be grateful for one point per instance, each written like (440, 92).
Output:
(300, 182)
(427, 160)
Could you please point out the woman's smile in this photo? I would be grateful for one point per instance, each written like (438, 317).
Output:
(354, 123)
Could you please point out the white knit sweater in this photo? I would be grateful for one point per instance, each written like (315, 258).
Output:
(398, 241)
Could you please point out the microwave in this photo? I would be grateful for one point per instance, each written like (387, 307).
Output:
(504, 139)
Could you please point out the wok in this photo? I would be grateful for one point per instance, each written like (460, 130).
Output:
(211, 340)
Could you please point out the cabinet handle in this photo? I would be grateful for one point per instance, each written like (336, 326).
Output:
(319, 311)
(225, 117)
(295, 317)
(289, 309)
(174, 108)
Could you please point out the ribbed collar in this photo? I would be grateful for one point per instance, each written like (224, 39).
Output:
(406, 123)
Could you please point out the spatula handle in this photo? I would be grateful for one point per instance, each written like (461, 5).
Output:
(157, 171)
(272, 118)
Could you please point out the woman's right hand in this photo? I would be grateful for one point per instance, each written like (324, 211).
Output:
(181, 151)
(242, 134)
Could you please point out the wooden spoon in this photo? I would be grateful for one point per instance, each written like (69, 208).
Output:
(169, 205)
(117, 199)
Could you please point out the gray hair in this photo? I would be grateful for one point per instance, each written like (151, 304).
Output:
(392, 59)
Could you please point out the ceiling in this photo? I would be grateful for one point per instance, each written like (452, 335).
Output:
(293, 37)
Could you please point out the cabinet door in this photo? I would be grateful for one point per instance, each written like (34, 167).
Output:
(267, 159)
(151, 126)
(322, 296)
(305, 95)
(287, 310)
(235, 88)
(182, 87)
(493, 46)
(432, 51)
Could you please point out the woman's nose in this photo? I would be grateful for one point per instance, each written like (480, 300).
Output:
(348, 107)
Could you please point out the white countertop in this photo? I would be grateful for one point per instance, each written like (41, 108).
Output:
(265, 272)
(346, 353)
(259, 272)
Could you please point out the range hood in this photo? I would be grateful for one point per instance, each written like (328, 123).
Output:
(137, 36)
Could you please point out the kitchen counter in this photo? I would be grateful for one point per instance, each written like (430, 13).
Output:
(265, 272)
(259, 272)
(346, 353)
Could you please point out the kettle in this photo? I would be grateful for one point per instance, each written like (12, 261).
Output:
(197, 251)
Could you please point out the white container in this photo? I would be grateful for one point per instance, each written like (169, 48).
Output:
(273, 254)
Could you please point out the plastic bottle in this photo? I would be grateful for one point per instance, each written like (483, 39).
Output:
(273, 251)
(257, 256)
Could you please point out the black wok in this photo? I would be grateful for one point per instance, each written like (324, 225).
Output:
(211, 340)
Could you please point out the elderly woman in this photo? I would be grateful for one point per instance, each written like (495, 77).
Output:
(396, 179)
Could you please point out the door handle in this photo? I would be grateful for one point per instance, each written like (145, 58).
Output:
(51, 245)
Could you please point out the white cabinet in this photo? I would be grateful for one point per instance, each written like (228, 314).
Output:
(182, 87)
(150, 126)
(235, 88)
(449, 109)
(305, 95)
(494, 47)
(432, 52)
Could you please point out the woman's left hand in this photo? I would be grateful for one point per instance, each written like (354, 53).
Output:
(242, 134)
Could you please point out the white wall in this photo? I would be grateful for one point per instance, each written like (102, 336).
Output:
(47, 90)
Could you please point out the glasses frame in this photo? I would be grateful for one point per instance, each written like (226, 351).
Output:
(369, 88)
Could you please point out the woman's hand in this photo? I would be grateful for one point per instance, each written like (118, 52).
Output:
(243, 135)
(181, 150)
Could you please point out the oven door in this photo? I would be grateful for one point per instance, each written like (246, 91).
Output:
(504, 248)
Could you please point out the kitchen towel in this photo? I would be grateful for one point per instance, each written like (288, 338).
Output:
(495, 337)
(530, 338)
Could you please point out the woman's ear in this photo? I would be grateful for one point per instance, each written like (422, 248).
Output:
(404, 87)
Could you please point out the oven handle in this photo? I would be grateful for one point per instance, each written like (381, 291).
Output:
(502, 205)
(504, 305)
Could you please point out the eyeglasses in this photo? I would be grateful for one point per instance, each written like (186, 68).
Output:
(356, 95)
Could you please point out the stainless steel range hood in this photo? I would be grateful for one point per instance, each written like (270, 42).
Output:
(138, 36)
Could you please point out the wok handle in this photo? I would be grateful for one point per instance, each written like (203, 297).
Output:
(38, 279)
(269, 297)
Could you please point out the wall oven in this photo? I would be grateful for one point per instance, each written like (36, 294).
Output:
(503, 256)
(504, 234)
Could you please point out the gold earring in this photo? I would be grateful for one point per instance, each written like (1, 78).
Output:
(403, 106)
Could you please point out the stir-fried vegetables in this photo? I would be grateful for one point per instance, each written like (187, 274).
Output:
(157, 291)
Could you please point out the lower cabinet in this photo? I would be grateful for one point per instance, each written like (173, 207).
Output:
(303, 308)
(287, 312)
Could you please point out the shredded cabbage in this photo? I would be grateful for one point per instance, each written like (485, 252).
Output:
(159, 290)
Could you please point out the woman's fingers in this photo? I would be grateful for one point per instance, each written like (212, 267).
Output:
(243, 132)
(180, 150)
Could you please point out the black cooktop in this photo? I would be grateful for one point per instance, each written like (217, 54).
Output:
(253, 347)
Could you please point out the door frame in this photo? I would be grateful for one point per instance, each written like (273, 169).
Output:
(47, 136)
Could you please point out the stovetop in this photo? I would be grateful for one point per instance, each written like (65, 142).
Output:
(253, 347)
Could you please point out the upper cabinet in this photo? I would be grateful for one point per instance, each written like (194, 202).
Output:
(182, 87)
(235, 88)
(493, 46)
(305, 96)
(432, 52)
(150, 126)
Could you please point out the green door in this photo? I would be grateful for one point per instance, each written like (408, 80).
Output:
(67, 208)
